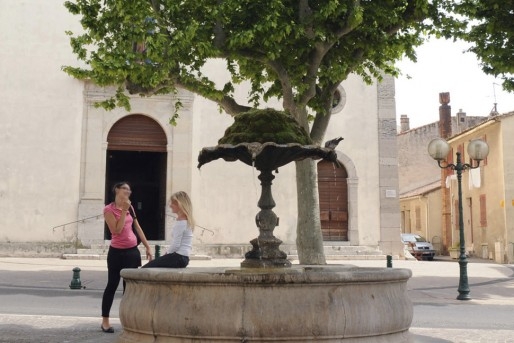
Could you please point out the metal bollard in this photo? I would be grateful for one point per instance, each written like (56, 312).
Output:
(389, 261)
(157, 251)
(75, 281)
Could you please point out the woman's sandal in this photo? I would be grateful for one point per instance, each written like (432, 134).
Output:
(110, 329)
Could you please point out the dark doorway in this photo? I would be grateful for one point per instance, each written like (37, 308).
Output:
(137, 154)
(333, 201)
(146, 174)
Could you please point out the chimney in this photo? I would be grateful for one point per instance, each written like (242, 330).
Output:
(404, 123)
(445, 131)
(445, 116)
(462, 121)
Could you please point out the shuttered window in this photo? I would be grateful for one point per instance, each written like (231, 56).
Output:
(483, 211)
(418, 217)
(137, 132)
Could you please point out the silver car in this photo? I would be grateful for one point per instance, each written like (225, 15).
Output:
(418, 246)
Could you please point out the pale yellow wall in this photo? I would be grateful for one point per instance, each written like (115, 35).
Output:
(508, 180)
(494, 240)
(430, 216)
(492, 186)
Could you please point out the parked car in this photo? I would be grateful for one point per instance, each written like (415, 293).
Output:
(418, 246)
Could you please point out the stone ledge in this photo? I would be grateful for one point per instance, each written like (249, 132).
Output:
(104, 257)
(348, 257)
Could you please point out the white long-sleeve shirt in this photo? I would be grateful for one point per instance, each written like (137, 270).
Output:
(181, 238)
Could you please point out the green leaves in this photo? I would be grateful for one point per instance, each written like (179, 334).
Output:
(292, 49)
(489, 26)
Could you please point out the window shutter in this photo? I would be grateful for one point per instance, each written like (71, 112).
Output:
(418, 217)
(483, 211)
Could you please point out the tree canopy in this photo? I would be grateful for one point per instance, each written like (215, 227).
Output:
(298, 51)
(489, 26)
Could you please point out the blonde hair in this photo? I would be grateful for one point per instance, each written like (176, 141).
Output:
(185, 205)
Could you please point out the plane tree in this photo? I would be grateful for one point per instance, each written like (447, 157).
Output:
(298, 51)
(489, 26)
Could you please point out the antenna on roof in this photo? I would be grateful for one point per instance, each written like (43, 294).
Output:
(494, 110)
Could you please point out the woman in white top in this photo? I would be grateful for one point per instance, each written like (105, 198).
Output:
(181, 235)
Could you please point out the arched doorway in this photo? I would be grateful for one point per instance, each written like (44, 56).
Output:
(333, 201)
(136, 153)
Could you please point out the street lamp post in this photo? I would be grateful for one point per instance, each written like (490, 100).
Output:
(478, 150)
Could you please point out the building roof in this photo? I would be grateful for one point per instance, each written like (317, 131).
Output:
(422, 190)
(488, 121)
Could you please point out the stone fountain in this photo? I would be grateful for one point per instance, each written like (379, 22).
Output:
(267, 299)
(265, 157)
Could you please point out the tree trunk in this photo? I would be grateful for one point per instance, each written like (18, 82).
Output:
(309, 240)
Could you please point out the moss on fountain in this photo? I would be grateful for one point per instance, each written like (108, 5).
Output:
(265, 125)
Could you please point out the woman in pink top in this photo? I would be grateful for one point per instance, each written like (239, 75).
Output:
(123, 252)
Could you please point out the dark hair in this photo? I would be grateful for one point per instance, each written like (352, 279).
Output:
(118, 185)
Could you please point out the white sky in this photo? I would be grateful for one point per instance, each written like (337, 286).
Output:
(443, 67)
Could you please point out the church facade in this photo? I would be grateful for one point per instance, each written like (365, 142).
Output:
(61, 155)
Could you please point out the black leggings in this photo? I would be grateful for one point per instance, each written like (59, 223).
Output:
(172, 260)
(117, 259)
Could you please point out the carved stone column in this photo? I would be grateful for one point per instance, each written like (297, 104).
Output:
(265, 251)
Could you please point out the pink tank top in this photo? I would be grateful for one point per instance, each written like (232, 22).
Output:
(126, 238)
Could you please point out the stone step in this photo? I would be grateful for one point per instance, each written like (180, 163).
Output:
(346, 250)
(349, 257)
(96, 251)
(99, 252)
(84, 256)
(351, 250)
(332, 252)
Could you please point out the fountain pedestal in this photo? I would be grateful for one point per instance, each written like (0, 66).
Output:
(331, 303)
(265, 252)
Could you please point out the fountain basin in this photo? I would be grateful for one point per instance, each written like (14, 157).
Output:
(330, 303)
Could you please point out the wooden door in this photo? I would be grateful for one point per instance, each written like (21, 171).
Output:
(333, 201)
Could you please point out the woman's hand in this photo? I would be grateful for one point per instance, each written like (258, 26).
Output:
(125, 205)
(149, 253)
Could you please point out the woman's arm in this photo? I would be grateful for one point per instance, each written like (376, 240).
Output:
(115, 226)
(143, 239)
